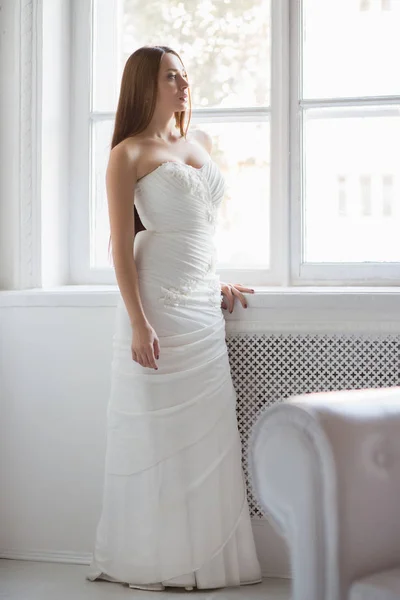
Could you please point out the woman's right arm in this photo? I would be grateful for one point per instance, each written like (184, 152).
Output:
(121, 179)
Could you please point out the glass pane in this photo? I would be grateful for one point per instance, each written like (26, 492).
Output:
(242, 152)
(224, 44)
(352, 185)
(107, 51)
(351, 48)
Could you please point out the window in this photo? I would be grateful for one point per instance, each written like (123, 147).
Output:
(300, 99)
(345, 141)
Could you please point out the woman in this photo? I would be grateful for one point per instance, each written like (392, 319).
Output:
(174, 510)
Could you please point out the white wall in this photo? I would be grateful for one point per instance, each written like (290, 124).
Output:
(54, 373)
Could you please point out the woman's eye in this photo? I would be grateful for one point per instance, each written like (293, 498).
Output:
(172, 76)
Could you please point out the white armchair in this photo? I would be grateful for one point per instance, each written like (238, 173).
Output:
(326, 469)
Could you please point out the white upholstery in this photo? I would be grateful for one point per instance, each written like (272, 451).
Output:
(381, 586)
(326, 469)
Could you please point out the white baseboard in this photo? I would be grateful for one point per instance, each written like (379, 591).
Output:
(55, 556)
(271, 549)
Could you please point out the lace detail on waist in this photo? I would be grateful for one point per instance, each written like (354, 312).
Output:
(180, 295)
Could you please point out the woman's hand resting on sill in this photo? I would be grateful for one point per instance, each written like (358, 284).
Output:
(229, 291)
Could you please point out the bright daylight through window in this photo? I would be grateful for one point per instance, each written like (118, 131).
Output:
(351, 153)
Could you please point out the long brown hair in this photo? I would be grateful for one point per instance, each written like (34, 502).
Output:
(137, 101)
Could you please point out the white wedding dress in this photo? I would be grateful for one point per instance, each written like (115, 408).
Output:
(174, 502)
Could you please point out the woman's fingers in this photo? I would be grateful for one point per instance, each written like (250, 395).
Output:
(227, 292)
(230, 291)
(240, 296)
(230, 298)
(142, 359)
(151, 361)
(147, 357)
(156, 348)
(243, 288)
(145, 348)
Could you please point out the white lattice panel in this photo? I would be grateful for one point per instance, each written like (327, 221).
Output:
(271, 367)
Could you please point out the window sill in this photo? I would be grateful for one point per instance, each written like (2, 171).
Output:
(264, 297)
(369, 309)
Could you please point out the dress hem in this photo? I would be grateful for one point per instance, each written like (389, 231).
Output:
(100, 575)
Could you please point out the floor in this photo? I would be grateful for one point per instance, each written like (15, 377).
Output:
(28, 580)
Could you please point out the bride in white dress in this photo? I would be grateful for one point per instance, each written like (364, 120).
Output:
(174, 509)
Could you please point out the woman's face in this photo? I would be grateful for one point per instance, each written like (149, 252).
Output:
(172, 84)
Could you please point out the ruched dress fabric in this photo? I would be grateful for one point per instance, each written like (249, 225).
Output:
(174, 504)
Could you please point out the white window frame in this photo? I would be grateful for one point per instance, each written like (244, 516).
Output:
(285, 114)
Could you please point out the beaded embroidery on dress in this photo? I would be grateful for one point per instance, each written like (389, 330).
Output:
(174, 509)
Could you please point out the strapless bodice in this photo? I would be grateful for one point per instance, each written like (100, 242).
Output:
(176, 254)
(178, 197)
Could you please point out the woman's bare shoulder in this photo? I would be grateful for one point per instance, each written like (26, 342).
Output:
(129, 149)
(202, 137)
(123, 162)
